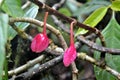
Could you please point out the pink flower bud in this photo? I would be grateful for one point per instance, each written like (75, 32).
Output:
(39, 43)
(70, 54)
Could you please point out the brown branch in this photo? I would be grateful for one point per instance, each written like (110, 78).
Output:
(97, 47)
(40, 68)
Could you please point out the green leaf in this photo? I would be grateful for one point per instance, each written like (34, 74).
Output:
(87, 8)
(12, 7)
(112, 38)
(3, 40)
(115, 5)
(31, 13)
(72, 7)
(65, 11)
(93, 19)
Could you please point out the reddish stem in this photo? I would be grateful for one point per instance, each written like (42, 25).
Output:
(45, 19)
(71, 34)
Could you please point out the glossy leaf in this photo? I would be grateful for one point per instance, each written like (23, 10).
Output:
(87, 8)
(32, 12)
(3, 40)
(93, 19)
(13, 7)
(112, 37)
(115, 5)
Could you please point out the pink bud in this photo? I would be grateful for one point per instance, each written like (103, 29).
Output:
(39, 43)
(69, 55)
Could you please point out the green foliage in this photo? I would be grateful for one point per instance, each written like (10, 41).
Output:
(65, 11)
(3, 39)
(12, 7)
(84, 10)
(71, 6)
(115, 5)
(93, 19)
(112, 38)
(31, 13)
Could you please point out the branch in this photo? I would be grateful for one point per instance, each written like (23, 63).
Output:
(40, 68)
(57, 5)
(99, 48)
(27, 4)
(56, 21)
(20, 32)
(26, 66)
(58, 59)
(83, 56)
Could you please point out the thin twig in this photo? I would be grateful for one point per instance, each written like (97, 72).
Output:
(28, 3)
(57, 5)
(60, 24)
(26, 66)
(98, 47)
(20, 32)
